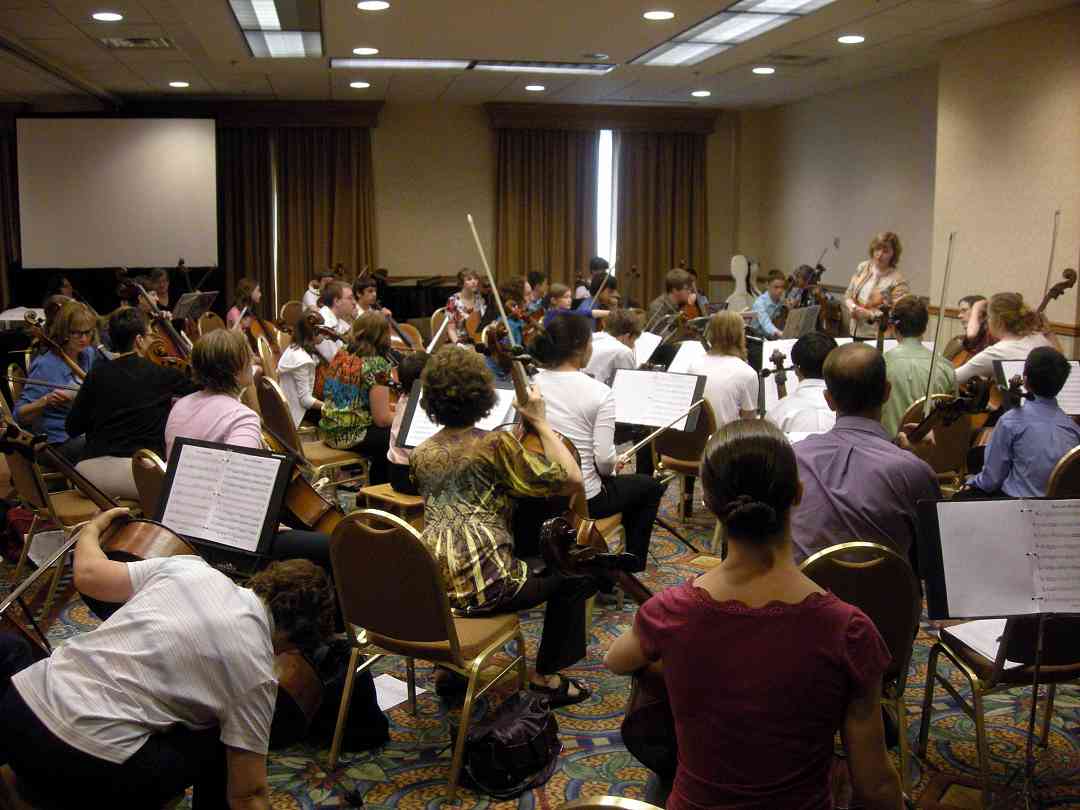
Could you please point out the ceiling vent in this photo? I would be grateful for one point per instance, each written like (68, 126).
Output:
(137, 43)
(795, 60)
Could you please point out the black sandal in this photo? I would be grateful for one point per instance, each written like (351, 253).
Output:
(559, 696)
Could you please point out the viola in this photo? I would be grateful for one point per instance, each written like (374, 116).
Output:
(36, 328)
(972, 398)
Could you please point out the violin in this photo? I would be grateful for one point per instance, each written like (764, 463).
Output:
(690, 310)
(36, 327)
(1007, 400)
(972, 398)
(167, 342)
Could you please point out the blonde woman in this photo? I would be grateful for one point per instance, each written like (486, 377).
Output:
(1015, 327)
(731, 383)
(876, 282)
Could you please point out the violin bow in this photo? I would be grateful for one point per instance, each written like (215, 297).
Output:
(940, 321)
(624, 458)
(1053, 248)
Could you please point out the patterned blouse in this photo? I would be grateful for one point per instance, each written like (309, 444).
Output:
(346, 412)
(467, 481)
(870, 289)
(458, 309)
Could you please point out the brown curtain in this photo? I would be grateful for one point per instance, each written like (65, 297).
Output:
(662, 216)
(546, 202)
(245, 211)
(326, 204)
(9, 214)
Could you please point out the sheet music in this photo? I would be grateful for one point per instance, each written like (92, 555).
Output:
(644, 347)
(422, 428)
(983, 636)
(221, 496)
(652, 398)
(985, 549)
(1055, 532)
(1068, 399)
(689, 351)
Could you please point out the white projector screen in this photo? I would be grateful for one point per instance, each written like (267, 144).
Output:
(132, 192)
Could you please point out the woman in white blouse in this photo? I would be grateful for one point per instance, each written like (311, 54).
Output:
(1015, 328)
(876, 282)
(731, 384)
(296, 368)
(583, 410)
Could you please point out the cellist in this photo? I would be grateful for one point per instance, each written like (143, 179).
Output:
(463, 304)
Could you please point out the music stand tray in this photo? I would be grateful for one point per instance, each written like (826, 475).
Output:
(194, 305)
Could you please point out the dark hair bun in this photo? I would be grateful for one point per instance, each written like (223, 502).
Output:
(745, 516)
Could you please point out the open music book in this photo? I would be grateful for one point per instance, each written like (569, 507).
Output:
(1069, 397)
(654, 398)
(223, 495)
(416, 426)
(644, 346)
(1009, 557)
(689, 351)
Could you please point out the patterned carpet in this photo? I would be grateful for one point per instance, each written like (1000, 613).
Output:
(410, 771)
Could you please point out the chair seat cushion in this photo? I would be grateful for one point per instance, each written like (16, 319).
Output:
(681, 466)
(73, 507)
(983, 666)
(320, 454)
(474, 636)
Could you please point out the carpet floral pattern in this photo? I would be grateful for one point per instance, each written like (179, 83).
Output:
(409, 772)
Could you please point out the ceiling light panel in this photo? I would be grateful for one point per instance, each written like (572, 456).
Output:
(564, 68)
(399, 64)
(732, 29)
(781, 6)
(277, 15)
(682, 53)
(284, 44)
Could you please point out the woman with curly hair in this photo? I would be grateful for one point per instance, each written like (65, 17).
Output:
(175, 688)
(1015, 329)
(762, 666)
(469, 479)
(356, 411)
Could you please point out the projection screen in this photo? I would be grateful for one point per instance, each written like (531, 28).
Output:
(130, 192)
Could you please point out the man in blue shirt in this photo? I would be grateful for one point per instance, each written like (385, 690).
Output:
(1028, 441)
(767, 305)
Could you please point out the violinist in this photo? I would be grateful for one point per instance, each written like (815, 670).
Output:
(469, 480)
(296, 368)
(801, 293)
(122, 407)
(1014, 328)
(603, 297)
(976, 331)
(875, 282)
(805, 410)
(248, 295)
(338, 306)
(1028, 441)
(158, 283)
(731, 384)
(583, 410)
(559, 297)
(45, 408)
(538, 283)
(356, 412)
(678, 286)
(908, 365)
(613, 348)
(310, 299)
(176, 688)
(462, 304)
(366, 292)
(409, 370)
(697, 298)
(768, 307)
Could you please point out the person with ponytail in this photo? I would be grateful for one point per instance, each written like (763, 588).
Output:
(583, 410)
(762, 666)
(1015, 327)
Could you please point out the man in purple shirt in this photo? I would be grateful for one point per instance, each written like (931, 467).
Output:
(857, 484)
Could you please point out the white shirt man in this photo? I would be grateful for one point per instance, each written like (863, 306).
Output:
(334, 317)
(804, 410)
(609, 354)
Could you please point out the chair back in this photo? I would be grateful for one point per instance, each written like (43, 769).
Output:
(437, 318)
(290, 313)
(881, 584)
(25, 474)
(266, 357)
(148, 470)
(1064, 479)
(276, 416)
(688, 445)
(388, 582)
(209, 321)
(951, 442)
(1061, 641)
(607, 803)
(16, 381)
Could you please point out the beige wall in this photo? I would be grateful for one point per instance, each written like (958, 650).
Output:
(434, 163)
(1008, 155)
(845, 165)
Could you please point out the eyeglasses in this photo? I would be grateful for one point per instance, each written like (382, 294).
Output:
(81, 332)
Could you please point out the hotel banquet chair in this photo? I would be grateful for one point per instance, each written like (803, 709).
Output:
(266, 358)
(1060, 663)
(437, 318)
(677, 453)
(408, 614)
(16, 381)
(209, 322)
(148, 470)
(949, 455)
(277, 422)
(290, 313)
(882, 585)
(607, 803)
(1065, 477)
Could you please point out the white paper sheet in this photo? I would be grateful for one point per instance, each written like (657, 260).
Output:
(644, 346)
(45, 545)
(652, 398)
(422, 427)
(390, 692)
(689, 351)
(1068, 399)
(221, 496)
(1055, 541)
(983, 636)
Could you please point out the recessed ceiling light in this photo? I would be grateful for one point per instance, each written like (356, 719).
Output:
(373, 5)
(179, 85)
(764, 70)
(107, 16)
(359, 85)
(535, 88)
(659, 15)
(850, 39)
(701, 93)
(365, 51)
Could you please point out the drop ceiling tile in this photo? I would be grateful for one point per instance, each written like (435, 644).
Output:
(76, 52)
(477, 87)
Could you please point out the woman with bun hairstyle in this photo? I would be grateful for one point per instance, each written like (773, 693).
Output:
(583, 410)
(1015, 327)
(762, 666)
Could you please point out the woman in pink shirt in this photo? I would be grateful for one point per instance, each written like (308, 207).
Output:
(761, 665)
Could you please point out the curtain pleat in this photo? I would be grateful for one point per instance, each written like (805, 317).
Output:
(245, 211)
(9, 215)
(546, 202)
(662, 214)
(326, 204)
